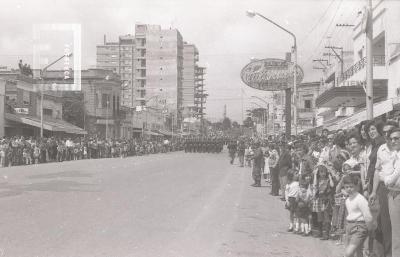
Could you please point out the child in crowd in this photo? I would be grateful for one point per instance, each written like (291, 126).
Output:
(248, 154)
(358, 220)
(303, 207)
(36, 154)
(323, 184)
(26, 154)
(291, 193)
(339, 209)
(266, 170)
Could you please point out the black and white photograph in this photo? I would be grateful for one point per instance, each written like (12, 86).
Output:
(200, 128)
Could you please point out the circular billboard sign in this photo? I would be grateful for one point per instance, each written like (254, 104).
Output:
(270, 74)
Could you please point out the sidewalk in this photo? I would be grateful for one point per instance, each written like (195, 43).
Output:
(261, 226)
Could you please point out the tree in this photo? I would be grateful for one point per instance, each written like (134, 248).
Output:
(235, 124)
(248, 123)
(226, 124)
(74, 108)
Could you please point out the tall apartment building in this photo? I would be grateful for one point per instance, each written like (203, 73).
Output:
(159, 68)
(190, 59)
(119, 57)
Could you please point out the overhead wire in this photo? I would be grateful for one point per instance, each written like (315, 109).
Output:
(317, 23)
(325, 33)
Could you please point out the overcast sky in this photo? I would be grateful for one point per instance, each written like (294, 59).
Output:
(225, 36)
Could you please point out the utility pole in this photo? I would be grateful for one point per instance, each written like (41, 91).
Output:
(339, 56)
(369, 57)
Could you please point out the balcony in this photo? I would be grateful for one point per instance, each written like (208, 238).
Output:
(351, 96)
(354, 73)
(302, 110)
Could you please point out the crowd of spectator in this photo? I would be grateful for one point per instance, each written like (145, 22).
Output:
(26, 151)
(341, 185)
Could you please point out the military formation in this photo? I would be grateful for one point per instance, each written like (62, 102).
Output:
(204, 145)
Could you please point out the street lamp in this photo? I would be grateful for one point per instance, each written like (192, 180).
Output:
(266, 115)
(42, 72)
(252, 14)
(108, 104)
(263, 118)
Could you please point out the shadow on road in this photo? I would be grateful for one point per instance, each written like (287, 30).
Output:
(60, 186)
(66, 174)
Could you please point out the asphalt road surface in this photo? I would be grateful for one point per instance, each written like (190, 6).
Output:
(166, 205)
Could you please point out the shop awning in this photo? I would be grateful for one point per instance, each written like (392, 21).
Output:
(48, 124)
(347, 96)
(350, 122)
(152, 133)
(165, 132)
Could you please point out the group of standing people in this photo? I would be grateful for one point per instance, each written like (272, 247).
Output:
(18, 150)
(340, 185)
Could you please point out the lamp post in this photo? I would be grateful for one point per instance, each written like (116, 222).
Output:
(252, 14)
(108, 103)
(266, 114)
(42, 72)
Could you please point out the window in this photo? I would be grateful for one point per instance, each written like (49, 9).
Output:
(47, 112)
(114, 109)
(307, 104)
(360, 54)
(26, 97)
(104, 99)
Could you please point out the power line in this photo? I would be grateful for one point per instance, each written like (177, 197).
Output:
(326, 32)
(317, 23)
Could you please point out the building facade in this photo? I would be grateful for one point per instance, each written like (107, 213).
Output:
(100, 91)
(342, 101)
(21, 113)
(119, 57)
(190, 59)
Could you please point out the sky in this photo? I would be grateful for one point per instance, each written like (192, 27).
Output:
(227, 39)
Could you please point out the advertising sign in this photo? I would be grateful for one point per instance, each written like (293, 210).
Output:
(22, 110)
(270, 74)
(58, 40)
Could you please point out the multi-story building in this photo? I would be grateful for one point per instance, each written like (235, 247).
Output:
(119, 57)
(190, 59)
(21, 108)
(307, 93)
(101, 90)
(157, 70)
(200, 95)
(159, 66)
(344, 102)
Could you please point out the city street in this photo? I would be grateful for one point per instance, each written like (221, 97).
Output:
(173, 204)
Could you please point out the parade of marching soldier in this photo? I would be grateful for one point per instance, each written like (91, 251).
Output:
(183, 128)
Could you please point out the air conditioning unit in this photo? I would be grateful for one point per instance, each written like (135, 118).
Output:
(344, 112)
(340, 112)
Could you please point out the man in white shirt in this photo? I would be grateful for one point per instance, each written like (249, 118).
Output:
(393, 184)
(386, 157)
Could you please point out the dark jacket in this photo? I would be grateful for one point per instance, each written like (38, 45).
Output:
(284, 163)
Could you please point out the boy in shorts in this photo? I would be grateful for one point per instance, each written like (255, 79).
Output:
(359, 218)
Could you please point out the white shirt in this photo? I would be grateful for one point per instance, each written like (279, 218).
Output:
(385, 160)
(358, 209)
(69, 143)
(292, 189)
(392, 179)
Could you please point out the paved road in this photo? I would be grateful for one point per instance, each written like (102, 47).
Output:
(166, 205)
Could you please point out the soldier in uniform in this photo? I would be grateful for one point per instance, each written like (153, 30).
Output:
(258, 164)
(232, 147)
